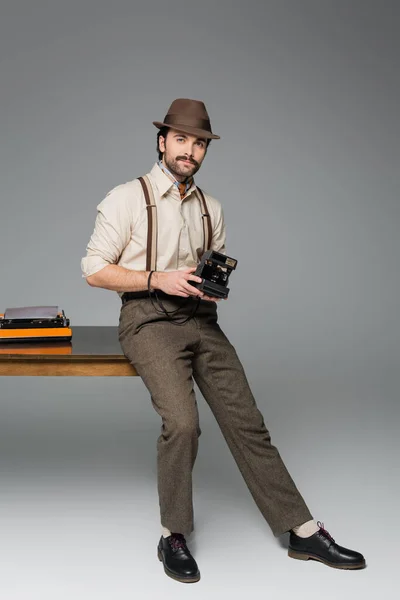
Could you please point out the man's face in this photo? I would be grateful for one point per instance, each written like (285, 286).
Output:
(182, 153)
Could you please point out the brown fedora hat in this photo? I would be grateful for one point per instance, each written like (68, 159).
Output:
(189, 116)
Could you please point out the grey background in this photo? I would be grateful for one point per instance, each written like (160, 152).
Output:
(305, 96)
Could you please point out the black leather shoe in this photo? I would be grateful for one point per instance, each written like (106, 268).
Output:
(321, 546)
(178, 562)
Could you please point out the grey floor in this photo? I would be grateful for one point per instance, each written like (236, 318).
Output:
(79, 508)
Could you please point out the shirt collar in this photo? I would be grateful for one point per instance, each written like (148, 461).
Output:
(164, 182)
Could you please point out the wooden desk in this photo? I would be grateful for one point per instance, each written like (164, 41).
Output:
(93, 351)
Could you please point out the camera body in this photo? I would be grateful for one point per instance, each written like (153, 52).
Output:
(214, 268)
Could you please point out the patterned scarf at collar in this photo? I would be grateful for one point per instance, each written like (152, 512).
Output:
(182, 187)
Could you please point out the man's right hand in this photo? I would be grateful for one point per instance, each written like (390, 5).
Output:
(177, 282)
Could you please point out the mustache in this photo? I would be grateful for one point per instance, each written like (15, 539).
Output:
(194, 162)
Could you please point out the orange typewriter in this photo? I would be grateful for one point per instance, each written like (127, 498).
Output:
(34, 324)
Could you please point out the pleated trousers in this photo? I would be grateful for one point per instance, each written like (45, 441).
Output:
(168, 357)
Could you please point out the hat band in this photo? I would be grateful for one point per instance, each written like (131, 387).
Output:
(188, 121)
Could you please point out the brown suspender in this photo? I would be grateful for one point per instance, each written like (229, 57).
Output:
(205, 216)
(152, 225)
(151, 254)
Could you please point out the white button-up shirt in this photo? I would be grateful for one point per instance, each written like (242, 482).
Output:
(120, 231)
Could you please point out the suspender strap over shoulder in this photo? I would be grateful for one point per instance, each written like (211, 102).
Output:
(152, 227)
(206, 220)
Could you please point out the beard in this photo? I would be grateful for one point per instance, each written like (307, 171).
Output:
(178, 168)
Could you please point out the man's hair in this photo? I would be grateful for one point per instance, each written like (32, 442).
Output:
(164, 131)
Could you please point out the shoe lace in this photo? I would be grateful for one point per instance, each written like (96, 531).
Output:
(177, 540)
(324, 531)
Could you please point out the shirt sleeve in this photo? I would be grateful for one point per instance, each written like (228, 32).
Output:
(219, 234)
(112, 232)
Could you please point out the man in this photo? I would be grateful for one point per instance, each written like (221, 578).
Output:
(180, 340)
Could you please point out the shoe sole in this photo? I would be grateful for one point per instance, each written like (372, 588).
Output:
(173, 575)
(302, 556)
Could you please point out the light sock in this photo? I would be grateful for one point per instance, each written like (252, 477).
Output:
(165, 532)
(306, 529)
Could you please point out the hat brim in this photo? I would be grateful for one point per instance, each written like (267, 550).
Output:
(187, 129)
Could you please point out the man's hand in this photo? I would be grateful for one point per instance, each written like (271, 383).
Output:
(177, 283)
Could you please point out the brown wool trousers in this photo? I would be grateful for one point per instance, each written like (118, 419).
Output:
(168, 357)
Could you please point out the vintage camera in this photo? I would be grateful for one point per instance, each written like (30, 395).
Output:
(214, 268)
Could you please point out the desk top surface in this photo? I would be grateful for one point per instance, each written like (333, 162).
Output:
(87, 341)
